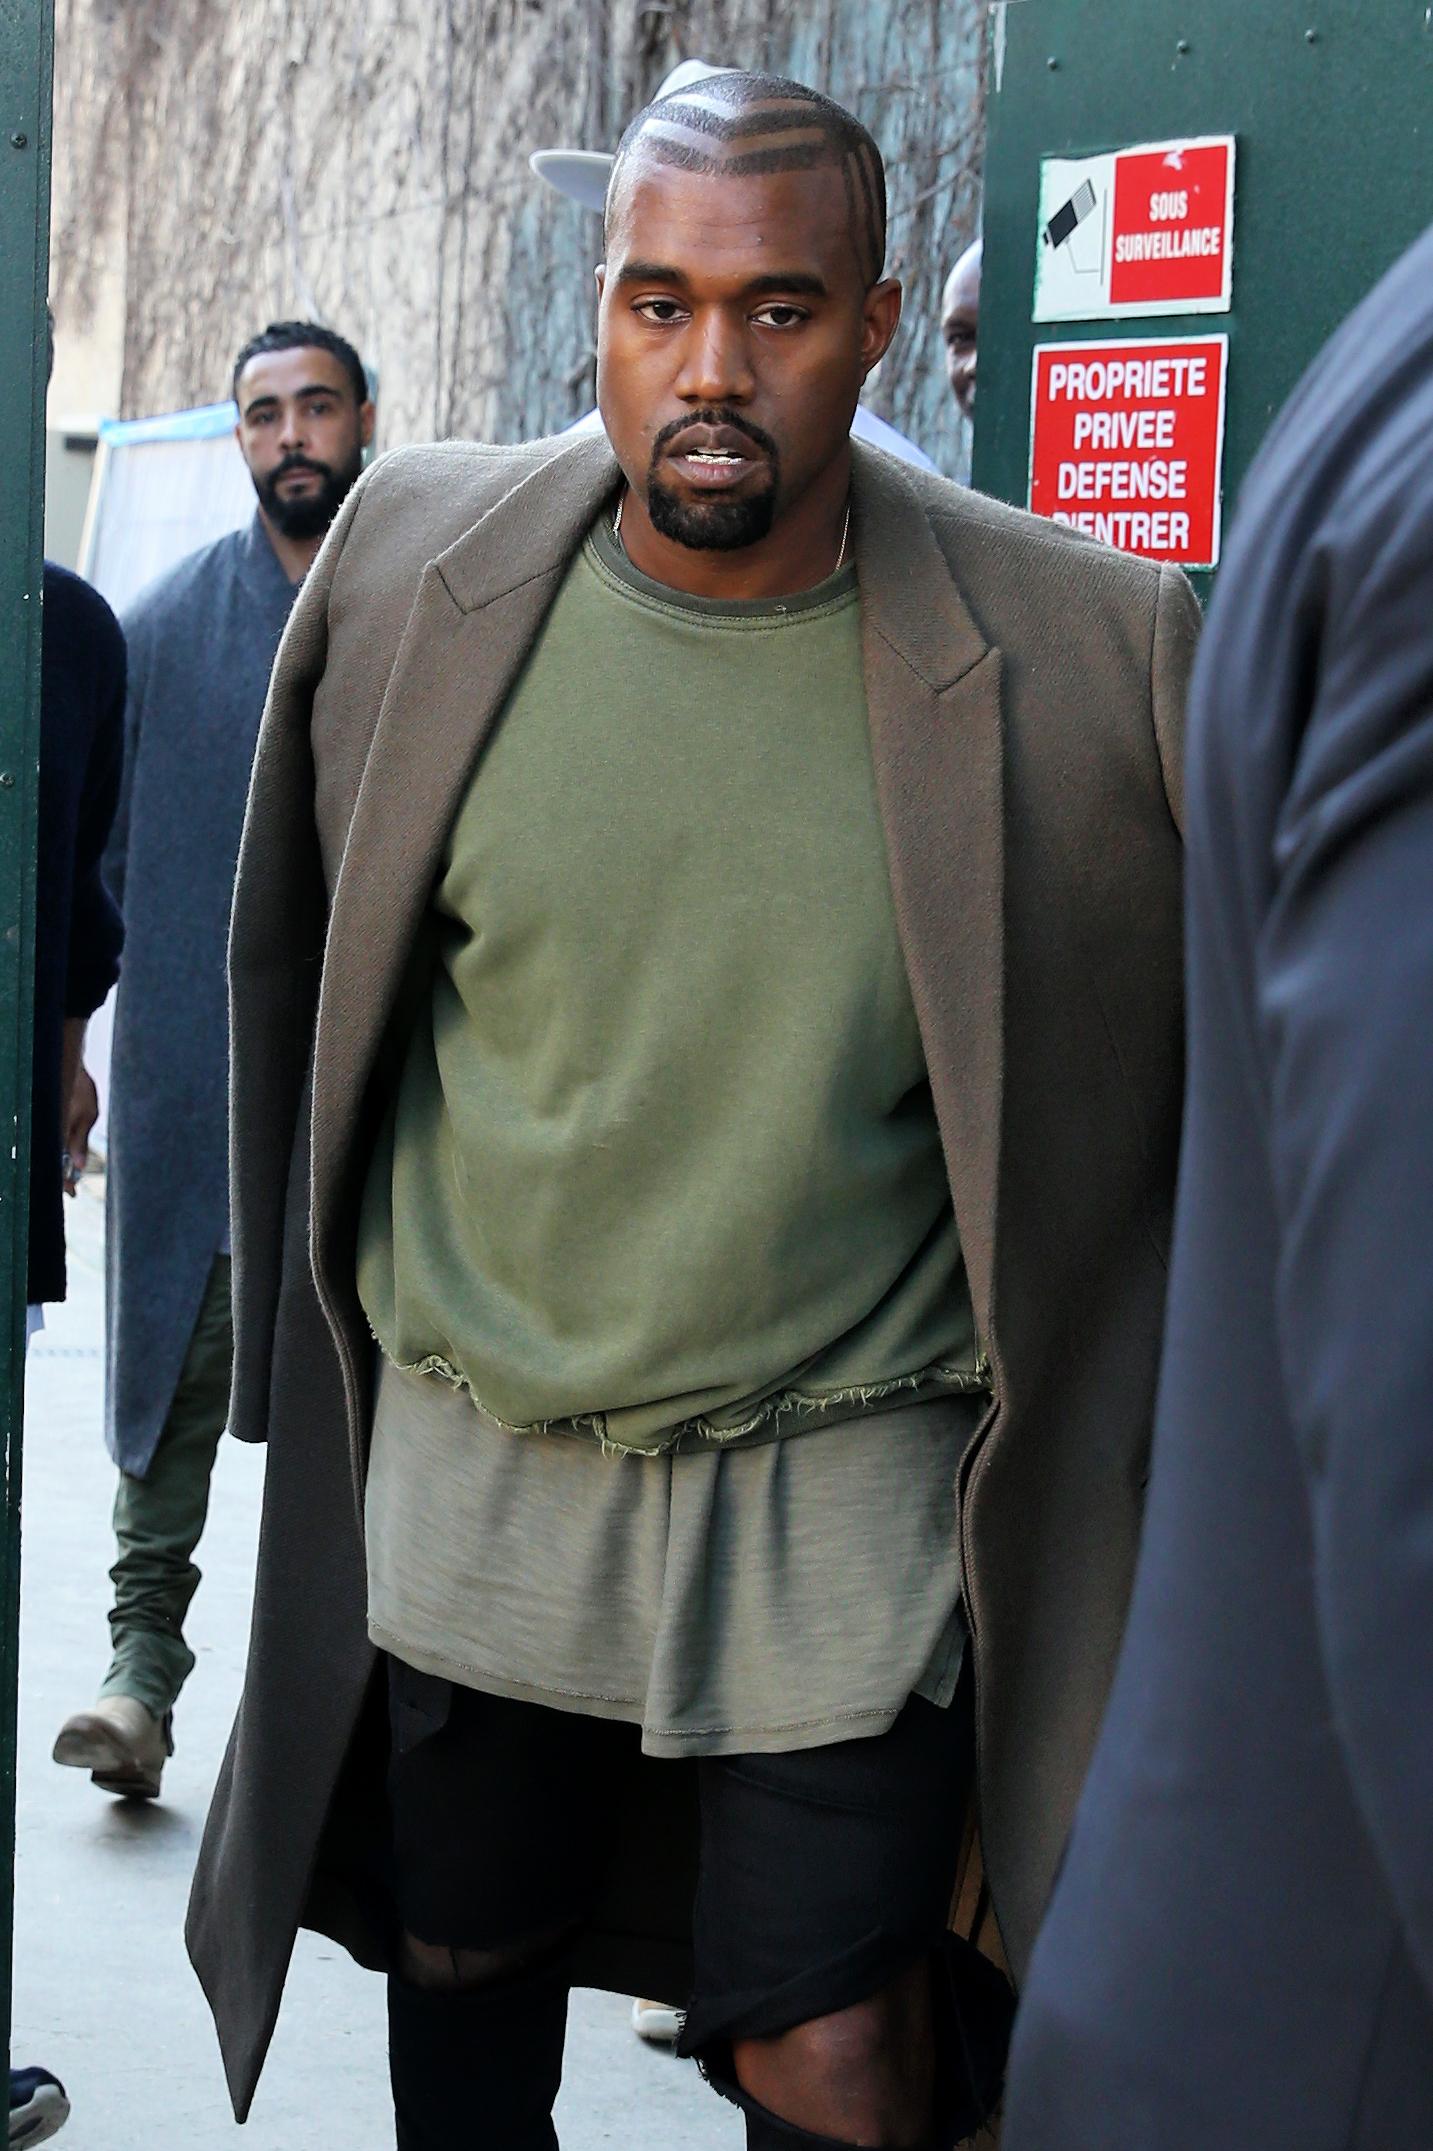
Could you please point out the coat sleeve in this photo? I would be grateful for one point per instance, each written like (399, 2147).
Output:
(137, 634)
(96, 934)
(1177, 624)
(276, 945)
(1345, 991)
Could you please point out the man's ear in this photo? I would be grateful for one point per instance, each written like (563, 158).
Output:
(600, 272)
(367, 420)
(880, 319)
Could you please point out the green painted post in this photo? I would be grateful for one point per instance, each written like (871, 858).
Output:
(26, 49)
(1332, 104)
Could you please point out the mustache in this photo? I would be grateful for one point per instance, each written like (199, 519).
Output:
(714, 417)
(298, 463)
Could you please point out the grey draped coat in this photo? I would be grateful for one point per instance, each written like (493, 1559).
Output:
(202, 642)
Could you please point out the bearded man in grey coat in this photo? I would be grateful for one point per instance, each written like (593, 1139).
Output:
(202, 642)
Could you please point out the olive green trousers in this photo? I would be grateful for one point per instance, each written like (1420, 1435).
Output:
(159, 1519)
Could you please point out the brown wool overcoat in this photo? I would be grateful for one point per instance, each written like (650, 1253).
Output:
(1025, 690)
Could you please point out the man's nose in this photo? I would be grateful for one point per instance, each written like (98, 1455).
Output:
(716, 364)
(293, 434)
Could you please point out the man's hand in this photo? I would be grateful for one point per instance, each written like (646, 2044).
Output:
(83, 1112)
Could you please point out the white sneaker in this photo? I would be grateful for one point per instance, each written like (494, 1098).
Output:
(659, 2023)
(122, 1745)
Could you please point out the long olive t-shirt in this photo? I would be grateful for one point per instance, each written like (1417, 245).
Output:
(663, 1164)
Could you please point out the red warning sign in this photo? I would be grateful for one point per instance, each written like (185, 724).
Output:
(1170, 231)
(1127, 444)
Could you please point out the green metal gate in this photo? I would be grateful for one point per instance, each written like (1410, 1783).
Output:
(1331, 102)
(26, 44)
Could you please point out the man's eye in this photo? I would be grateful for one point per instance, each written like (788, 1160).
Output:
(663, 310)
(781, 317)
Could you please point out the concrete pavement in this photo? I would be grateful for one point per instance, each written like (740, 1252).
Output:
(103, 1991)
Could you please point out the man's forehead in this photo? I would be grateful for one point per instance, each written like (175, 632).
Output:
(281, 372)
(717, 221)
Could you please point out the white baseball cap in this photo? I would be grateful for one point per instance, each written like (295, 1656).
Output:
(583, 174)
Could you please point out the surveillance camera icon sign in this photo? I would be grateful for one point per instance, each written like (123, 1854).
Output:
(1073, 228)
(1126, 233)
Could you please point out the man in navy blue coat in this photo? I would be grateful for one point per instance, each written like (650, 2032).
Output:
(78, 936)
(77, 925)
(1240, 1952)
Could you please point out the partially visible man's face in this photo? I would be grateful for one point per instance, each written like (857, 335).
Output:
(960, 326)
(734, 332)
(302, 432)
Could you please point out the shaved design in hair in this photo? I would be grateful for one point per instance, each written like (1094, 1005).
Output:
(746, 124)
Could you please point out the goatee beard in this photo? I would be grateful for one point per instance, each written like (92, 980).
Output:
(718, 525)
(307, 515)
(710, 526)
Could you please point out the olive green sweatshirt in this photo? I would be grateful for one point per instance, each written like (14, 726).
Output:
(662, 1163)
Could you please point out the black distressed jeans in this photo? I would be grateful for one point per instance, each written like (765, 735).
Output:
(823, 1873)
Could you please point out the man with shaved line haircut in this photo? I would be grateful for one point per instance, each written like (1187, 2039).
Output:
(584, 176)
(721, 127)
(706, 996)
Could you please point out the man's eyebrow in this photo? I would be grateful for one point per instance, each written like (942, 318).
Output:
(649, 272)
(314, 388)
(803, 282)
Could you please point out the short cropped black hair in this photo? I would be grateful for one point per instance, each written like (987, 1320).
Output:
(302, 336)
(765, 123)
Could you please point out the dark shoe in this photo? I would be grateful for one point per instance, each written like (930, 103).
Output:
(38, 2106)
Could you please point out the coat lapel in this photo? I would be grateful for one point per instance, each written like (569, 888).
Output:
(933, 691)
(477, 611)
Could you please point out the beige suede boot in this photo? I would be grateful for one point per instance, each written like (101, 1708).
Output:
(122, 1745)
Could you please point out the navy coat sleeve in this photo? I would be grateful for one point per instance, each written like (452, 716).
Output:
(96, 934)
(77, 926)
(137, 635)
(1345, 990)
